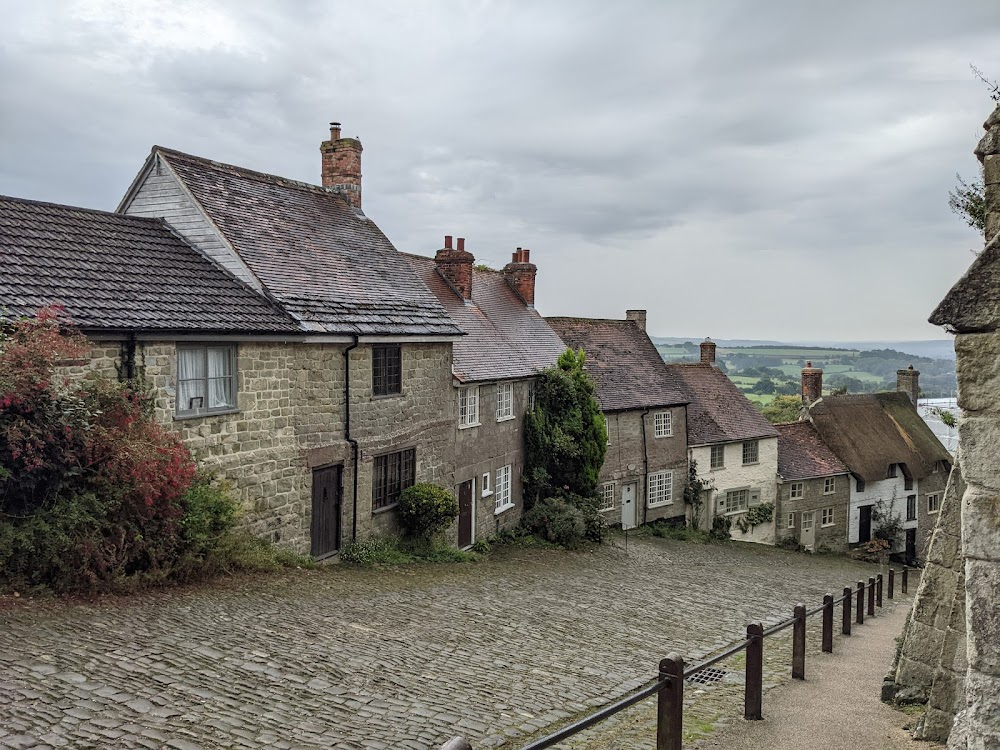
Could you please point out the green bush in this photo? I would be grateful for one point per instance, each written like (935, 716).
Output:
(426, 510)
(556, 520)
(790, 543)
(374, 551)
(209, 513)
(721, 526)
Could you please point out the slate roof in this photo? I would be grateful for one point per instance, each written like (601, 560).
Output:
(802, 454)
(718, 412)
(869, 431)
(111, 271)
(624, 363)
(505, 338)
(323, 261)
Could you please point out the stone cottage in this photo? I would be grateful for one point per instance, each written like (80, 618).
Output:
(645, 467)
(814, 493)
(506, 344)
(898, 467)
(734, 448)
(950, 653)
(285, 339)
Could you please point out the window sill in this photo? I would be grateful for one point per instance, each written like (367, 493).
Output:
(751, 463)
(827, 525)
(487, 493)
(469, 426)
(203, 414)
(716, 468)
(606, 510)
(503, 509)
(657, 437)
(506, 419)
(827, 494)
(660, 504)
(933, 512)
(376, 511)
(383, 396)
(734, 512)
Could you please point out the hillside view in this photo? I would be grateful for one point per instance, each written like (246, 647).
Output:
(763, 371)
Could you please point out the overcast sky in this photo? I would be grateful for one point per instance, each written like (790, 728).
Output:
(776, 169)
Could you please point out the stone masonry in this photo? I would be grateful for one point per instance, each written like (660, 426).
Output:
(814, 498)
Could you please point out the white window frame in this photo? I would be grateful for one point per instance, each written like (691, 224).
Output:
(751, 446)
(829, 485)
(936, 498)
(486, 491)
(663, 424)
(711, 457)
(790, 521)
(808, 520)
(505, 401)
(660, 489)
(827, 517)
(468, 406)
(607, 496)
(233, 377)
(502, 499)
(742, 498)
(797, 491)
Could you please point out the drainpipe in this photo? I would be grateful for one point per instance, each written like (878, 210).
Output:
(347, 432)
(645, 467)
(128, 365)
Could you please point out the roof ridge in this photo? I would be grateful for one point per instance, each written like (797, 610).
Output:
(250, 173)
(589, 320)
(100, 212)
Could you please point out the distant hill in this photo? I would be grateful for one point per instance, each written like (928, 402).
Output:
(934, 348)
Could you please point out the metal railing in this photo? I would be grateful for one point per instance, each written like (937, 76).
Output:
(668, 685)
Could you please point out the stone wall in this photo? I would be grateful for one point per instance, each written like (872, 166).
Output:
(629, 459)
(488, 447)
(815, 499)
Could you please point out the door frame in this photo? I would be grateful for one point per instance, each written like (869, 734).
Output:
(812, 529)
(472, 511)
(635, 504)
(339, 516)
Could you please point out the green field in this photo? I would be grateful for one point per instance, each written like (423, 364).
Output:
(760, 398)
(816, 355)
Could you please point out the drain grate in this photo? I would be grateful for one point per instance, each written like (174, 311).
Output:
(708, 676)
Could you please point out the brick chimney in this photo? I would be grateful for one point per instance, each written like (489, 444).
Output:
(520, 274)
(708, 352)
(342, 165)
(908, 381)
(812, 384)
(455, 264)
(637, 316)
(988, 152)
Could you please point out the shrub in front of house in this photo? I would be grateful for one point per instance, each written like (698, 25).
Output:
(425, 510)
(556, 520)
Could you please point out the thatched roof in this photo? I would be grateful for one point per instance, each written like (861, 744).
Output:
(870, 431)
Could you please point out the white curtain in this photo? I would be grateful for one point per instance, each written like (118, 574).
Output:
(220, 378)
(190, 379)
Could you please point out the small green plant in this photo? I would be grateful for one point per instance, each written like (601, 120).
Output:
(694, 492)
(481, 546)
(377, 551)
(679, 533)
(721, 526)
(425, 510)
(790, 543)
(755, 516)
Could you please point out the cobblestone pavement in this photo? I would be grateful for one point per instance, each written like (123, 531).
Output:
(401, 658)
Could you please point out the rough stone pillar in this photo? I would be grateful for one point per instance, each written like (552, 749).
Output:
(988, 152)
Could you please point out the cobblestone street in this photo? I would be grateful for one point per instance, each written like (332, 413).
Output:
(402, 658)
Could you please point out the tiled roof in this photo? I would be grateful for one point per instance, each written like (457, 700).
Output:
(323, 261)
(802, 454)
(624, 363)
(869, 431)
(120, 272)
(505, 338)
(718, 413)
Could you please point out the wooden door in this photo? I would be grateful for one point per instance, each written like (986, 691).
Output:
(326, 494)
(865, 524)
(911, 545)
(465, 515)
(628, 506)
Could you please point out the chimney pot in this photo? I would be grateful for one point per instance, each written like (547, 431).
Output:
(461, 244)
(707, 352)
(526, 256)
(447, 241)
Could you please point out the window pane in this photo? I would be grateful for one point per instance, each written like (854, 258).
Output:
(191, 380)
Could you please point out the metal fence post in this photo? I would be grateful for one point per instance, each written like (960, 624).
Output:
(670, 704)
(845, 626)
(860, 604)
(878, 590)
(906, 579)
(799, 643)
(871, 597)
(754, 681)
(892, 581)
(828, 624)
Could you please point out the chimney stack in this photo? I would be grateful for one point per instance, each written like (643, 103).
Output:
(988, 153)
(520, 274)
(637, 316)
(812, 384)
(455, 265)
(708, 352)
(342, 165)
(908, 381)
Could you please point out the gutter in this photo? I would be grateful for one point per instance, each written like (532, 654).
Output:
(347, 432)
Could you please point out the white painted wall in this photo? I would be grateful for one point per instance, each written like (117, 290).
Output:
(733, 475)
(882, 490)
